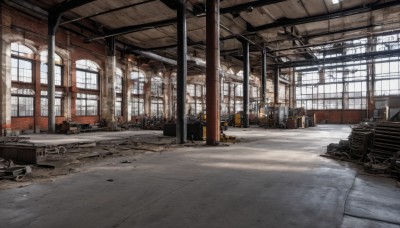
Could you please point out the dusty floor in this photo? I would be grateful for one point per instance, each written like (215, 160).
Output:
(273, 178)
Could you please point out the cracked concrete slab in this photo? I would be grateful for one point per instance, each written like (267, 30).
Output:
(374, 198)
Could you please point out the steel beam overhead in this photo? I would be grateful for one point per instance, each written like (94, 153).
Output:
(362, 56)
(156, 24)
(54, 18)
(249, 6)
(68, 5)
(298, 21)
(106, 12)
(172, 4)
(136, 28)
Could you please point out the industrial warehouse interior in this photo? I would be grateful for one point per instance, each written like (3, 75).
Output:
(200, 113)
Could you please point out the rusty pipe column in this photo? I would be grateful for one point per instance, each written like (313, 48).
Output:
(212, 72)
(181, 74)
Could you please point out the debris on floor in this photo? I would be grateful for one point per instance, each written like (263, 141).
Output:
(49, 160)
(230, 139)
(16, 173)
(128, 161)
(376, 146)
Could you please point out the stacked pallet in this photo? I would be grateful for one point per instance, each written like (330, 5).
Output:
(386, 141)
(360, 140)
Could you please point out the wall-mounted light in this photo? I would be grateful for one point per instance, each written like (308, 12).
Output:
(335, 1)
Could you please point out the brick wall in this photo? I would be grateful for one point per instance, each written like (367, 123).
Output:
(32, 32)
(339, 116)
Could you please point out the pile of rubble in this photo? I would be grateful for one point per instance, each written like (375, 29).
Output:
(13, 172)
(20, 158)
(375, 145)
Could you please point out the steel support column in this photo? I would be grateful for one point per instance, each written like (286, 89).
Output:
(276, 86)
(212, 72)
(53, 22)
(181, 74)
(263, 102)
(264, 76)
(246, 76)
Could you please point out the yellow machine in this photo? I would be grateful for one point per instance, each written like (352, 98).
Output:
(238, 120)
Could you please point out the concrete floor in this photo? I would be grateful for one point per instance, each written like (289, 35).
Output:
(274, 178)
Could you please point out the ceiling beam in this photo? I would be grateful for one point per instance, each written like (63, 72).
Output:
(322, 17)
(108, 11)
(248, 6)
(362, 56)
(390, 32)
(58, 10)
(311, 36)
(68, 5)
(294, 35)
(136, 28)
(171, 3)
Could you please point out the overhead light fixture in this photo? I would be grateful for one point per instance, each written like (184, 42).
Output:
(335, 1)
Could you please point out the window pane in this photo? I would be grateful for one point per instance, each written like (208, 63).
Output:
(80, 79)
(25, 106)
(118, 81)
(21, 70)
(137, 107)
(14, 106)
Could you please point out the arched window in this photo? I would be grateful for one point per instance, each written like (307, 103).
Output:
(21, 63)
(118, 80)
(118, 92)
(22, 102)
(118, 106)
(44, 105)
(44, 69)
(157, 107)
(87, 77)
(87, 104)
(138, 82)
(137, 106)
(137, 102)
(137, 75)
(156, 86)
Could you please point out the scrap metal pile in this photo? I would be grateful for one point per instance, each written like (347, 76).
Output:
(375, 145)
(19, 157)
